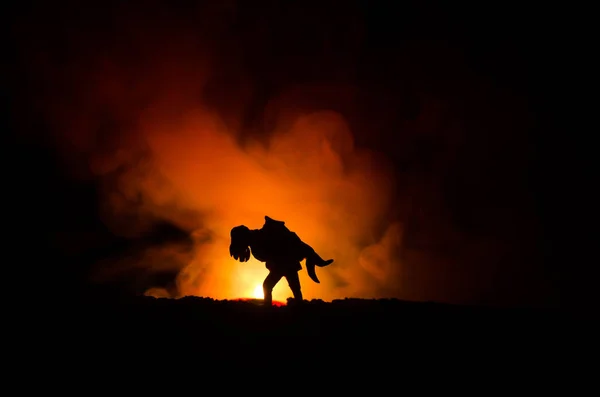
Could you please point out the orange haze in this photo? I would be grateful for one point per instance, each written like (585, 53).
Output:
(311, 175)
(139, 126)
(208, 115)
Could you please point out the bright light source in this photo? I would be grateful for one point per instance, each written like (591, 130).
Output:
(258, 292)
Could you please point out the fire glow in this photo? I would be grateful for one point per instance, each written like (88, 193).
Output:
(310, 176)
(159, 153)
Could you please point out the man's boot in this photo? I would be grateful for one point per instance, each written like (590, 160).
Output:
(298, 299)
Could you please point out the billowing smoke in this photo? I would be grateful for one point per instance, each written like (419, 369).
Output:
(195, 118)
(129, 110)
(333, 195)
(195, 175)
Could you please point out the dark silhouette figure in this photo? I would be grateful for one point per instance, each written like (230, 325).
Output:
(281, 250)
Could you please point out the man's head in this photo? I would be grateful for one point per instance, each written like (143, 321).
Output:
(240, 240)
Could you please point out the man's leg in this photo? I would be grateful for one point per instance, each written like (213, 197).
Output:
(294, 283)
(268, 285)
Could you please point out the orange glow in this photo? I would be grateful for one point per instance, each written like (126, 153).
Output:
(204, 117)
(171, 158)
(311, 177)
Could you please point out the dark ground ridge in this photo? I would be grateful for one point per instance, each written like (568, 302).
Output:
(346, 333)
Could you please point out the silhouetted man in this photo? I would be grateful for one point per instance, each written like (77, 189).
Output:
(281, 250)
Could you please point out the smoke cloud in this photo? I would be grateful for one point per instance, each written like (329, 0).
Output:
(129, 111)
(195, 118)
(195, 175)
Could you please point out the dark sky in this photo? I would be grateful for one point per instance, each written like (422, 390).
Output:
(459, 102)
